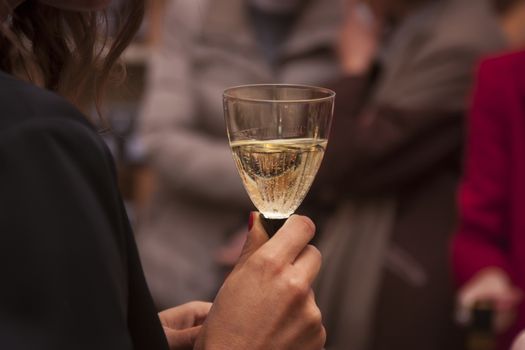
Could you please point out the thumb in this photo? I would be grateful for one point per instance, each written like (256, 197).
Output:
(257, 236)
(183, 339)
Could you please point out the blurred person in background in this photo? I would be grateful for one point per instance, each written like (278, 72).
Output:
(489, 248)
(207, 46)
(71, 276)
(390, 172)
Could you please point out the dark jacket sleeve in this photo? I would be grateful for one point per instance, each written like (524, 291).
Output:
(414, 127)
(63, 260)
(381, 148)
(384, 150)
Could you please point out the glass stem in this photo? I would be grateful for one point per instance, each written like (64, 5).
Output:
(272, 225)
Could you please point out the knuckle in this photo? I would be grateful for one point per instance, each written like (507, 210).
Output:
(307, 225)
(322, 337)
(316, 253)
(195, 303)
(264, 262)
(199, 305)
(318, 339)
(315, 318)
(298, 287)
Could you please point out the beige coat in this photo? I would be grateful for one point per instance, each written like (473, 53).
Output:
(208, 46)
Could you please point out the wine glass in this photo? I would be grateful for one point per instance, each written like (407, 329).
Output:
(278, 135)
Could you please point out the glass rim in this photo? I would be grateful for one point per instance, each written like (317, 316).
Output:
(330, 93)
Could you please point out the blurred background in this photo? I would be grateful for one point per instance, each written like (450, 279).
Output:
(385, 200)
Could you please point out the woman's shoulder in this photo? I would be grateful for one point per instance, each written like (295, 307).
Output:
(505, 59)
(34, 115)
(23, 103)
(36, 124)
(503, 67)
(499, 88)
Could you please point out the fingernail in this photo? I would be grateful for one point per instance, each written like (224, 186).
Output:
(250, 222)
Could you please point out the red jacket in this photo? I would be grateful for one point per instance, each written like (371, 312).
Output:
(492, 192)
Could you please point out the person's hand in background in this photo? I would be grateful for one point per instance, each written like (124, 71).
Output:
(183, 323)
(494, 286)
(359, 38)
(519, 343)
(267, 301)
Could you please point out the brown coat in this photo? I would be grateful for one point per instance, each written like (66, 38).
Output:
(392, 166)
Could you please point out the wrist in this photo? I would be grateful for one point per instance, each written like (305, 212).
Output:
(222, 341)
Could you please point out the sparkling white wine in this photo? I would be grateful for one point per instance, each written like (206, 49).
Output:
(277, 174)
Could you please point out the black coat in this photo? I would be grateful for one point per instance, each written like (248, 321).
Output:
(70, 276)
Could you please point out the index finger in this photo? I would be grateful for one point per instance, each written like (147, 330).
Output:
(186, 315)
(291, 239)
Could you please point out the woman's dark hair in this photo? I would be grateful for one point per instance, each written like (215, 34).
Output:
(66, 51)
(502, 6)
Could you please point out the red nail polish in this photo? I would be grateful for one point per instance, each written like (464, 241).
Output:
(250, 222)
